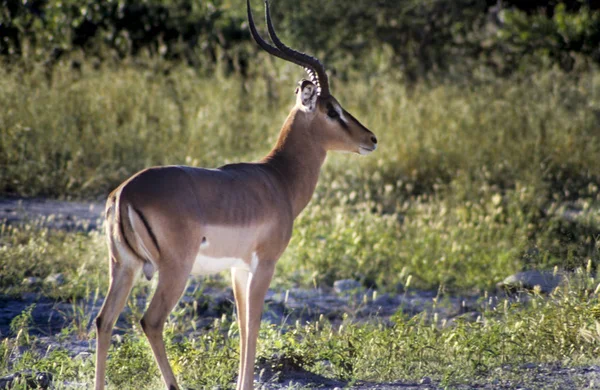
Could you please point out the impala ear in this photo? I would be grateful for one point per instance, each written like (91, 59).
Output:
(306, 95)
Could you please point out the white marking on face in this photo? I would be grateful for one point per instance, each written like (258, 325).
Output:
(364, 151)
(340, 114)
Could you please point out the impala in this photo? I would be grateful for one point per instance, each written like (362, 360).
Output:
(181, 220)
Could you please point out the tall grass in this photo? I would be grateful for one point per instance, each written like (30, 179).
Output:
(31, 251)
(80, 132)
(471, 183)
(83, 133)
(463, 189)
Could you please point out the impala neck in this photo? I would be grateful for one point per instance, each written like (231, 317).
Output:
(297, 157)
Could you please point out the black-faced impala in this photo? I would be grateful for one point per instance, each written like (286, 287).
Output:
(181, 220)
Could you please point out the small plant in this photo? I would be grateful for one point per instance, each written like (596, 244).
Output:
(19, 326)
(131, 363)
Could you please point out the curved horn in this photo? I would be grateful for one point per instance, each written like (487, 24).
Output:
(265, 45)
(313, 66)
(304, 60)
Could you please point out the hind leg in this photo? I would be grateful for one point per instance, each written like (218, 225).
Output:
(121, 281)
(171, 283)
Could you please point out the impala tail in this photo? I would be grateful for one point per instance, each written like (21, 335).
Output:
(130, 236)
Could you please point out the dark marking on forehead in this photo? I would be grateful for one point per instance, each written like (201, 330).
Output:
(348, 115)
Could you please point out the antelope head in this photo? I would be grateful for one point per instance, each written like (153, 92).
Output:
(331, 125)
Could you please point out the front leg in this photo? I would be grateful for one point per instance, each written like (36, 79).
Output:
(240, 278)
(250, 304)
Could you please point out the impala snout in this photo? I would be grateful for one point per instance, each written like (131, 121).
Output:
(369, 145)
(346, 133)
(365, 140)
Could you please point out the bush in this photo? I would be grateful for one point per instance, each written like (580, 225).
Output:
(175, 29)
(418, 38)
(569, 39)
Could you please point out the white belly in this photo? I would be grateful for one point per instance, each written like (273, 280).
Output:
(205, 265)
(226, 247)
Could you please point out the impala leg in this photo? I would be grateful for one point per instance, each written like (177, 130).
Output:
(171, 283)
(121, 280)
(240, 279)
(257, 287)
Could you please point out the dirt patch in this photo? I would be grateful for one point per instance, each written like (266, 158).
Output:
(56, 214)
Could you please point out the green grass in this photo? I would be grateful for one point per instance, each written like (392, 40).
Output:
(461, 192)
(564, 329)
(438, 242)
(83, 132)
(31, 251)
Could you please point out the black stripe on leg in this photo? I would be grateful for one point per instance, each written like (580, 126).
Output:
(148, 228)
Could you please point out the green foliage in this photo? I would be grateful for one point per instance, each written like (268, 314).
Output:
(214, 355)
(84, 133)
(59, 362)
(468, 182)
(28, 251)
(19, 326)
(564, 329)
(446, 242)
(461, 245)
(140, 365)
(45, 29)
(568, 39)
(418, 38)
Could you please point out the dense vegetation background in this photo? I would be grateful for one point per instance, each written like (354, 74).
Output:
(488, 116)
(488, 112)
(416, 37)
